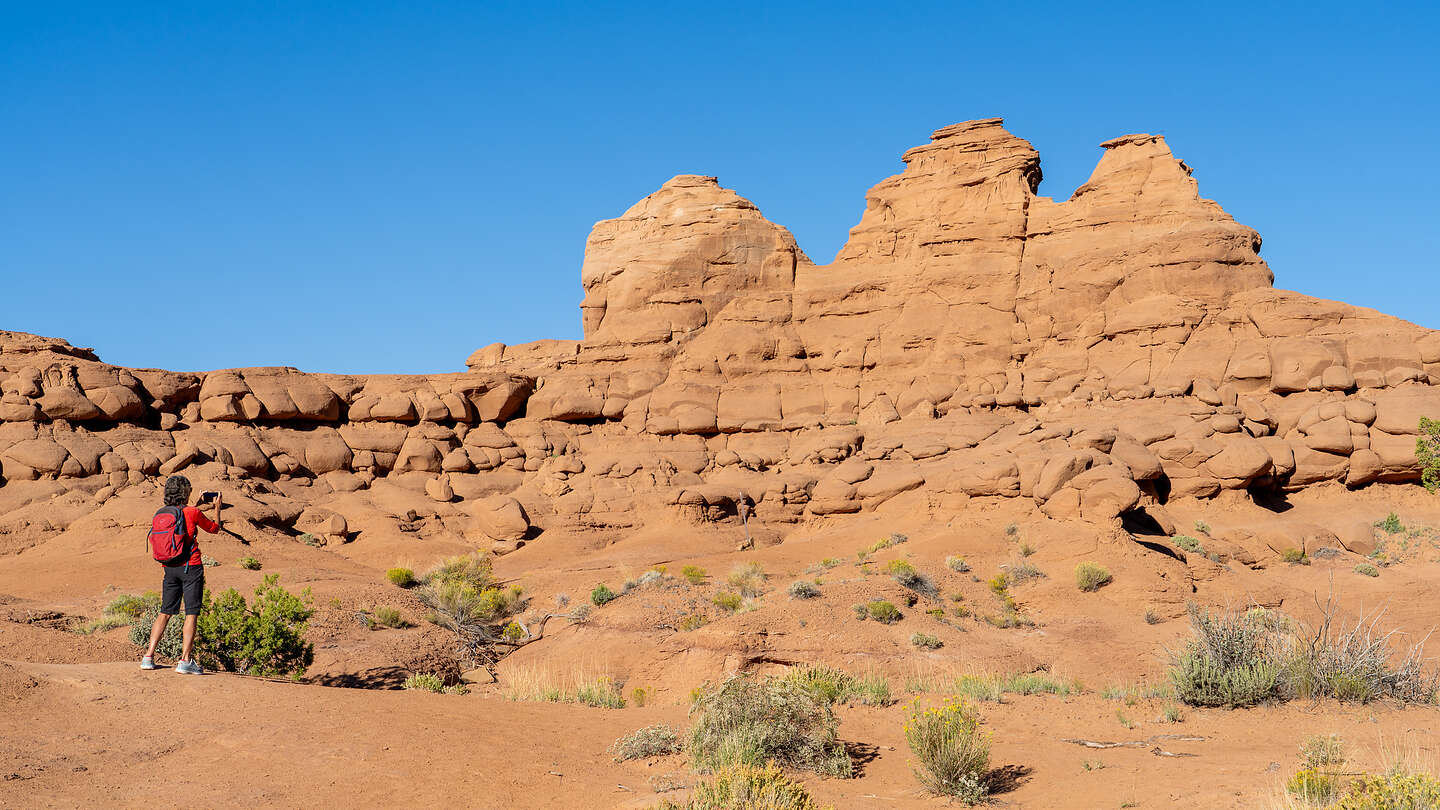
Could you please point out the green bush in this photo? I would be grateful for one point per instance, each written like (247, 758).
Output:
(746, 721)
(1294, 556)
(425, 682)
(1391, 524)
(747, 787)
(388, 617)
(694, 621)
(953, 754)
(651, 741)
(803, 589)
(1188, 543)
(464, 598)
(926, 641)
(904, 573)
(402, 577)
(728, 601)
(1396, 789)
(1233, 660)
(170, 641)
(693, 574)
(602, 594)
(1427, 452)
(1202, 527)
(1367, 570)
(837, 686)
(883, 612)
(957, 564)
(1090, 576)
(249, 563)
(601, 693)
(266, 637)
(131, 606)
(749, 579)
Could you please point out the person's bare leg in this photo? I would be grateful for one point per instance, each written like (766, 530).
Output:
(187, 637)
(156, 631)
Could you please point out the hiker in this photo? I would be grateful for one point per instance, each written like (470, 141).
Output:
(175, 544)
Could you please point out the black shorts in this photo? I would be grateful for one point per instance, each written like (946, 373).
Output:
(182, 579)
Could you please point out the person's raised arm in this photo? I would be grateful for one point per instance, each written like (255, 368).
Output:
(218, 522)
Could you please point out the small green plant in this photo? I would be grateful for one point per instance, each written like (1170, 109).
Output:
(1012, 531)
(926, 641)
(642, 695)
(883, 611)
(601, 594)
(1091, 576)
(1188, 543)
(748, 721)
(952, 753)
(1233, 660)
(693, 574)
(651, 741)
(957, 564)
(1173, 714)
(388, 617)
(208, 561)
(600, 693)
(1396, 789)
(1294, 556)
(311, 540)
(747, 787)
(425, 682)
(728, 601)
(1035, 683)
(803, 589)
(887, 542)
(1026, 549)
(249, 563)
(1427, 453)
(401, 577)
(1151, 617)
(904, 573)
(749, 579)
(1201, 527)
(694, 621)
(1022, 572)
(837, 686)
(1367, 569)
(131, 606)
(1121, 718)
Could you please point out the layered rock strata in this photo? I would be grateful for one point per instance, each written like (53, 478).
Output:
(1119, 348)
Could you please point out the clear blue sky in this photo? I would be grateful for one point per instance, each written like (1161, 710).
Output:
(385, 187)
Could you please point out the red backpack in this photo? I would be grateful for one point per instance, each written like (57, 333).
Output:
(169, 538)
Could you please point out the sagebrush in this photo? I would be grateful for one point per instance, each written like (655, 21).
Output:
(952, 753)
(748, 721)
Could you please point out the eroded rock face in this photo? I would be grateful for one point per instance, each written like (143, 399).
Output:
(972, 339)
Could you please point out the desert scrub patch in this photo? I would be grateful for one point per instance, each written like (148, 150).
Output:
(749, 579)
(693, 574)
(728, 601)
(425, 682)
(263, 637)
(1391, 524)
(957, 564)
(1366, 569)
(926, 641)
(1023, 571)
(952, 753)
(601, 693)
(386, 616)
(601, 594)
(1233, 659)
(882, 611)
(837, 686)
(1201, 527)
(1294, 556)
(904, 573)
(249, 563)
(1397, 789)
(694, 621)
(650, 741)
(208, 561)
(1091, 576)
(746, 787)
(1188, 543)
(747, 721)
(887, 542)
(803, 589)
(1026, 550)
(642, 695)
(463, 597)
(1036, 683)
(400, 577)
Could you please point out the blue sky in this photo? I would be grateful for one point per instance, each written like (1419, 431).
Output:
(385, 187)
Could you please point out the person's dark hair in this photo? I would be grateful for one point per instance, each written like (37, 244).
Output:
(177, 490)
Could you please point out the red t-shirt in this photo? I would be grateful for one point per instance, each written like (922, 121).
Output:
(195, 518)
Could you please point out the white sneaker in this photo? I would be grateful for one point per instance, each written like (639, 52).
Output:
(189, 668)
(147, 663)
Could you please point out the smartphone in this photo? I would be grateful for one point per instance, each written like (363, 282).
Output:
(206, 497)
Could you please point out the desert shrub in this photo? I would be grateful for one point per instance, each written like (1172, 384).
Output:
(1188, 543)
(208, 561)
(651, 741)
(249, 563)
(602, 594)
(1391, 524)
(728, 601)
(513, 632)
(425, 682)
(388, 617)
(957, 564)
(601, 693)
(106, 621)
(837, 686)
(1232, 660)
(1012, 531)
(693, 574)
(882, 611)
(311, 540)
(745, 787)
(1035, 683)
(803, 589)
(171, 645)
(694, 622)
(402, 577)
(641, 695)
(266, 637)
(887, 542)
(953, 754)
(1294, 555)
(749, 579)
(1090, 576)
(978, 687)
(130, 605)
(652, 576)
(1427, 452)
(1024, 571)
(1367, 570)
(464, 598)
(746, 721)
(926, 641)
(580, 615)
(904, 573)
(1201, 527)
(1352, 661)
(1396, 789)
(1151, 617)
(1026, 549)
